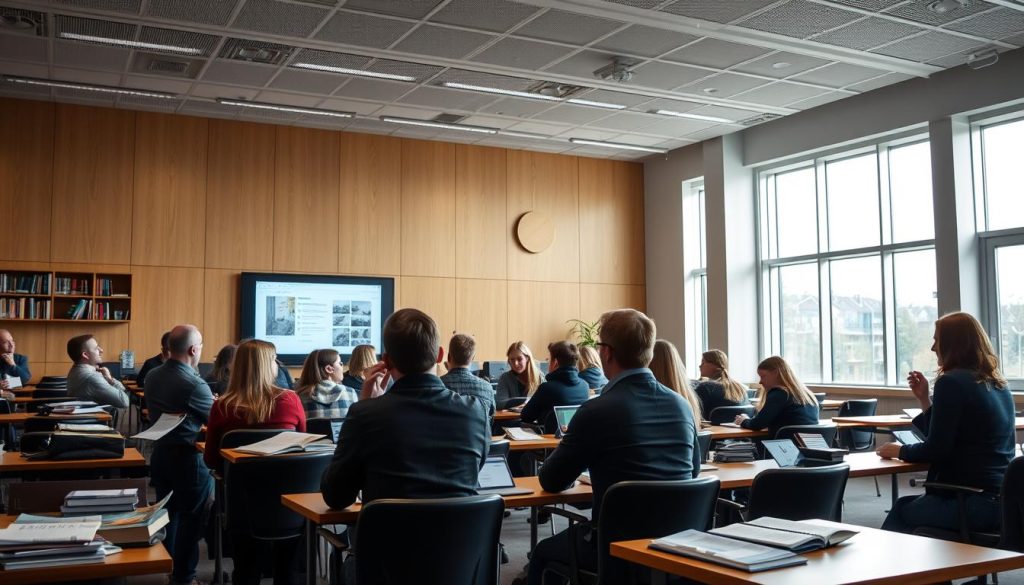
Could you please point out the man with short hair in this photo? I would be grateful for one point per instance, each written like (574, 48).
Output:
(562, 387)
(176, 466)
(461, 350)
(155, 361)
(637, 429)
(420, 439)
(88, 379)
(12, 364)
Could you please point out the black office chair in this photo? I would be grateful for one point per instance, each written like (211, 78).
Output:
(796, 493)
(50, 392)
(704, 443)
(493, 370)
(7, 430)
(724, 414)
(497, 448)
(46, 424)
(205, 369)
(513, 402)
(52, 382)
(637, 509)
(827, 431)
(329, 427)
(474, 367)
(442, 541)
(862, 439)
(820, 396)
(115, 369)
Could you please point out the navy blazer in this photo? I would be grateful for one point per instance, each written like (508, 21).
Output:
(18, 370)
(563, 387)
(779, 410)
(712, 395)
(418, 440)
(637, 429)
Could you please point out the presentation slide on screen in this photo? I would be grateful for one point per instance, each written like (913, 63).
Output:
(299, 317)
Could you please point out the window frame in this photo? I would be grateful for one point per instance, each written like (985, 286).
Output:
(694, 271)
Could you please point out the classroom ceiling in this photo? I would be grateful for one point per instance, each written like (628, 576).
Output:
(719, 65)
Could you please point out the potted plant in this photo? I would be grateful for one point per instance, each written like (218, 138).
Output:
(586, 333)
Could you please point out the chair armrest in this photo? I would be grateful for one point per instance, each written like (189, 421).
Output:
(332, 539)
(572, 516)
(951, 487)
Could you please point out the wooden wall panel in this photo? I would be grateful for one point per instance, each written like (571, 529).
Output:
(547, 183)
(433, 296)
(30, 340)
(538, 311)
(306, 200)
(112, 338)
(428, 208)
(480, 207)
(167, 297)
(220, 310)
(92, 185)
(170, 190)
(481, 310)
(240, 196)
(370, 219)
(611, 228)
(26, 178)
(595, 299)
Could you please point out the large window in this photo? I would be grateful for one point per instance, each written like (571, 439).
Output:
(695, 268)
(848, 264)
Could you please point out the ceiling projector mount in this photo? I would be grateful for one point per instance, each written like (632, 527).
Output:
(620, 70)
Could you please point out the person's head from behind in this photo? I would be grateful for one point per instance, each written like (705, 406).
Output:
(84, 349)
(774, 372)
(185, 344)
(363, 356)
(962, 344)
(627, 340)
(412, 344)
(165, 347)
(589, 358)
(667, 366)
(6, 342)
(222, 363)
(321, 365)
(251, 389)
(562, 354)
(461, 350)
(712, 363)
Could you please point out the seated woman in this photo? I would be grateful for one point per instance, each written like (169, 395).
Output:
(521, 380)
(218, 378)
(590, 368)
(668, 369)
(785, 402)
(563, 386)
(363, 356)
(968, 429)
(717, 388)
(320, 387)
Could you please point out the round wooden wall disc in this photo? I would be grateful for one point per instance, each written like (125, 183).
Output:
(535, 231)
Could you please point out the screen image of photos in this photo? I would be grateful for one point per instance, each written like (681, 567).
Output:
(352, 323)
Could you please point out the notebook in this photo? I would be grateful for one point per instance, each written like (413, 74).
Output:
(496, 478)
(563, 414)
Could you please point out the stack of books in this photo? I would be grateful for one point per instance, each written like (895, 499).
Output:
(75, 407)
(87, 502)
(141, 527)
(735, 452)
(51, 544)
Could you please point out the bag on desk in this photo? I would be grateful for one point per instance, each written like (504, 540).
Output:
(61, 446)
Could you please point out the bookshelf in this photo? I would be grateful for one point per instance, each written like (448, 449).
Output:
(63, 296)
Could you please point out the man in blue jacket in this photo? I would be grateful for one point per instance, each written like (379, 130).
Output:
(563, 386)
(12, 364)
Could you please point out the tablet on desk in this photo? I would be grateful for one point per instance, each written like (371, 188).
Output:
(564, 414)
(496, 478)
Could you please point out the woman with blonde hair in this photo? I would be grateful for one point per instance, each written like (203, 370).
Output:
(968, 430)
(668, 369)
(363, 356)
(785, 402)
(522, 379)
(590, 368)
(717, 388)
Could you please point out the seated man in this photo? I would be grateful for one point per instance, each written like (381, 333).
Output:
(461, 350)
(420, 439)
(155, 361)
(636, 430)
(88, 379)
(563, 386)
(13, 365)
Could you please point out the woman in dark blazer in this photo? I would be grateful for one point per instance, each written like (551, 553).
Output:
(786, 401)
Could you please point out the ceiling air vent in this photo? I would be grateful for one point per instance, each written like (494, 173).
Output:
(552, 89)
(168, 67)
(759, 119)
(255, 51)
(449, 118)
(21, 21)
(155, 64)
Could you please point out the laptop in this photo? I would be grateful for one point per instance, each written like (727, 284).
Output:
(564, 414)
(496, 478)
(787, 454)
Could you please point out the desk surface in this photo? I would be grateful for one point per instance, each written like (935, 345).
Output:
(829, 404)
(19, 418)
(720, 432)
(873, 556)
(888, 421)
(312, 506)
(131, 561)
(506, 415)
(546, 442)
(13, 461)
(741, 475)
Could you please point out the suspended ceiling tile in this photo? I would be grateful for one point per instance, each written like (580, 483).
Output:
(588, 134)
(361, 108)
(918, 11)
(251, 74)
(80, 76)
(995, 24)
(870, 4)
(212, 91)
(639, 139)
(582, 64)
(713, 132)
(352, 28)
(279, 18)
(799, 19)
(307, 81)
(569, 114)
(205, 108)
(517, 107)
(781, 65)
(158, 84)
(671, 105)
(567, 27)
(89, 56)
(408, 8)
(667, 76)
(717, 11)
(644, 41)
(645, 4)
(779, 93)
(723, 85)
(715, 53)
(23, 69)
(825, 98)
(625, 121)
(490, 15)
(447, 98)
(373, 89)
(927, 47)
(177, 38)
(400, 112)
(488, 121)
(288, 99)
(723, 112)
(521, 53)
(614, 97)
(442, 42)
(867, 33)
(216, 12)
(129, 6)
(546, 129)
(674, 127)
(839, 75)
(484, 79)
(881, 81)
(330, 59)
(23, 48)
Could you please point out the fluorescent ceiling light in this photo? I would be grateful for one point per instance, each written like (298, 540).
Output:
(359, 72)
(89, 87)
(693, 116)
(131, 44)
(515, 134)
(499, 91)
(283, 108)
(617, 145)
(442, 125)
(596, 104)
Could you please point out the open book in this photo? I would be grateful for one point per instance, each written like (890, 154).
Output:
(521, 434)
(289, 442)
(745, 556)
(801, 536)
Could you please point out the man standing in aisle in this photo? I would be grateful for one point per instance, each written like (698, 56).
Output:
(88, 379)
(176, 466)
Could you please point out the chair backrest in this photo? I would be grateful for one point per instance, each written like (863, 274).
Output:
(650, 509)
(6, 407)
(34, 497)
(474, 367)
(50, 393)
(494, 370)
(517, 401)
(442, 541)
(543, 366)
(46, 424)
(858, 440)
(115, 369)
(820, 396)
(239, 437)
(827, 432)
(799, 493)
(499, 448)
(724, 414)
(1012, 537)
(253, 487)
(205, 369)
(325, 426)
(704, 442)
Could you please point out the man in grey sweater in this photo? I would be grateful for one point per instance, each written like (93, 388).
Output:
(88, 379)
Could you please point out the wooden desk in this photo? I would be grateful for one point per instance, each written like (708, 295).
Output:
(12, 461)
(29, 398)
(719, 432)
(831, 404)
(18, 418)
(131, 561)
(873, 556)
(547, 442)
(506, 415)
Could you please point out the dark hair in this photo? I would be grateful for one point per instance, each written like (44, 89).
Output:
(566, 352)
(411, 341)
(313, 370)
(222, 364)
(961, 343)
(165, 342)
(461, 349)
(76, 345)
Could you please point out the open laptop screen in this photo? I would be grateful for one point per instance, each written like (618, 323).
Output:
(495, 474)
(563, 414)
(783, 451)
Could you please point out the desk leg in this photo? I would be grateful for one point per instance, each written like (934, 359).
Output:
(533, 528)
(311, 543)
(895, 489)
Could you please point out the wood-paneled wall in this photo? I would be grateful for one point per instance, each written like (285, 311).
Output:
(186, 204)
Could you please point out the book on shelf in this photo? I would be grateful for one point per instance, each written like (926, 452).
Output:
(797, 536)
(69, 285)
(79, 310)
(287, 442)
(729, 552)
(27, 284)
